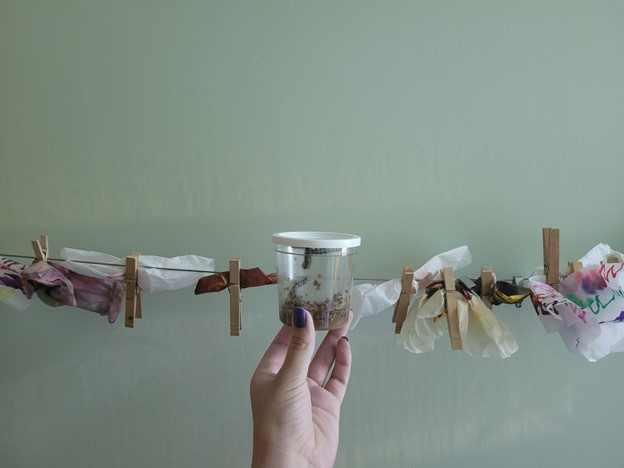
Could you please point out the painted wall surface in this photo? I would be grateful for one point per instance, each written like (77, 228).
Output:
(202, 127)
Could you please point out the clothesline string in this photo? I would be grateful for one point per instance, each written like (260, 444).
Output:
(30, 257)
(108, 264)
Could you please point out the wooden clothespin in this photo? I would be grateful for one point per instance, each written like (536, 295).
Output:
(487, 285)
(575, 266)
(139, 309)
(133, 297)
(235, 298)
(400, 311)
(452, 316)
(551, 256)
(41, 248)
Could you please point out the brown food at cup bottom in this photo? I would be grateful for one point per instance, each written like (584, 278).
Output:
(326, 314)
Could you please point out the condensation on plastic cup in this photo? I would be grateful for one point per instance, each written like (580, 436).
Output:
(315, 271)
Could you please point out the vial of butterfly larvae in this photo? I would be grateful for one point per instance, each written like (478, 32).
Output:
(315, 271)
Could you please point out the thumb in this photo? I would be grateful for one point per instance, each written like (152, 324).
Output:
(301, 347)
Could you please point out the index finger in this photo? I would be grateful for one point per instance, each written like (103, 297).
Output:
(326, 354)
(274, 356)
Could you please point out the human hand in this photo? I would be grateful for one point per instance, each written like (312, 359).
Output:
(295, 400)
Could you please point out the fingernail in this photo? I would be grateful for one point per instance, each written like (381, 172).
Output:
(299, 317)
(344, 337)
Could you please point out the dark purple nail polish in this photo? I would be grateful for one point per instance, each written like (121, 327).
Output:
(299, 317)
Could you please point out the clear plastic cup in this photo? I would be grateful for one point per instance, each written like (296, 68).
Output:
(315, 271)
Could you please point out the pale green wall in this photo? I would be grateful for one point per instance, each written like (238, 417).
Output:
(202, 127)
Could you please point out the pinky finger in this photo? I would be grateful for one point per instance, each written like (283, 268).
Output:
(339, 379)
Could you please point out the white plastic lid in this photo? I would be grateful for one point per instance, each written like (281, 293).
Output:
(327, 240)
